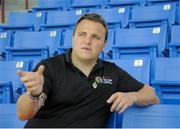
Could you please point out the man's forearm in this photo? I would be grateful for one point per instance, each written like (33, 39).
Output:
(146, 96)
(26, 107)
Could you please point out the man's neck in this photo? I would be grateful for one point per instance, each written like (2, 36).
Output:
(84, 66)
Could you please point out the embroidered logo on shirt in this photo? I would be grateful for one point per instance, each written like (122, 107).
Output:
(106, 80)
(101, 80)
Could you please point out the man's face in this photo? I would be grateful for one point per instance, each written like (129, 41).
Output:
(88, 40)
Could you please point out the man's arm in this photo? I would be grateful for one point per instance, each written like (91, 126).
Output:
(144, 97)
(27, 105)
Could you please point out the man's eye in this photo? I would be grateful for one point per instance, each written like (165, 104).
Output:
(97, 37)
(81, 34)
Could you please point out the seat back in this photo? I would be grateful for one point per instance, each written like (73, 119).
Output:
(61, 19)
(6, 92)
(115, 120)
(48, 5)
(140, 42)
(116, 17)
(108, 52)
(5, 40)
(174, 45)
(26, 20)
(34, 45)
(152, 2)
(8, 118)
(86, 4)
(137, 68)
(155, 116)
(9, 78)
(66, 41)
(113, 3)
(158, 15)
(166, 80)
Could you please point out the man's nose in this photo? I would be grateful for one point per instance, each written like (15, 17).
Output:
(87, 40)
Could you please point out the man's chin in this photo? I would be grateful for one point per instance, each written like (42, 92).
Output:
(87, 57)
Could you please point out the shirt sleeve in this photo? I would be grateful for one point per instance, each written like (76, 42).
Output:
(47, 76)
(126, 82)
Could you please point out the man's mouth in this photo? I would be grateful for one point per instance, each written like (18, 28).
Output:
(86, 48)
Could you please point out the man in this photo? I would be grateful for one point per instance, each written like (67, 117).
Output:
(77, 89)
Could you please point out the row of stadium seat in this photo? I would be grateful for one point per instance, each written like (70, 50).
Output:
(144, 42)
(158, 15)
(88, 4)
(162, 76)
(155, 116)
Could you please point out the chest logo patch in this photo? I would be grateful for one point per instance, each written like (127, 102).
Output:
(101, 80)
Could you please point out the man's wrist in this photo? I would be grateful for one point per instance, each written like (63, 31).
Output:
(38, 101)
(34, 97)
(135, 97)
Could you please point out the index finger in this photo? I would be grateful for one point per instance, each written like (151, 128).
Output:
(112, 98)
(21, 73)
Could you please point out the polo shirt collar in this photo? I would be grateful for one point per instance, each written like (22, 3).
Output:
(68, 59)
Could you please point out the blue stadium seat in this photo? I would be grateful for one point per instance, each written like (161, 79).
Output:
(9, 80)
(24, 21)
(158, 15)
(178, 13)
(166, 80)
(66, 41)
(140, 42)
(34, 45)
(150, 2)
(34, 63)
(6, 92)
(155, 116)
(61, 19)
(51, 5)
(108, 52)
(86, 4)
(115, 17)
(115, 120)
(174, 45)
(138, 68)
(119, 3)
(8, 118)
(5, 40)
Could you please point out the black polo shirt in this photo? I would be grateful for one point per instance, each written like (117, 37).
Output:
(74, 100)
